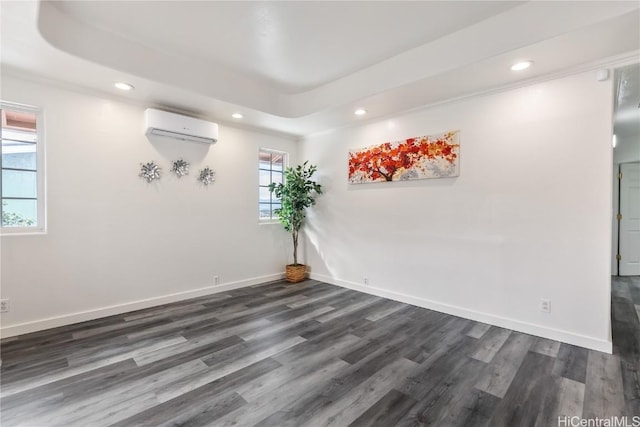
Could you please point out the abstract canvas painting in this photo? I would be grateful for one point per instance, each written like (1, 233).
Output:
(432, 156)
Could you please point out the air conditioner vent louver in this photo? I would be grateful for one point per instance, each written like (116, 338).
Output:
(176, 126)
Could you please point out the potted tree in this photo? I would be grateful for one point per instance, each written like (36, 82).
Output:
(296, 194)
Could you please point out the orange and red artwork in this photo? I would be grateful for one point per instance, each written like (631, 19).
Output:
(433, 156)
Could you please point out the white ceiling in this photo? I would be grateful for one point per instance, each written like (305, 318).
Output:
(303, 67)
(292, 46)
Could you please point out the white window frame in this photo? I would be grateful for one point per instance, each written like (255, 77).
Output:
(41, 226)
(285, 165)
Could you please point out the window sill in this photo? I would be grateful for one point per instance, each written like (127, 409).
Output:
(22, 232)
(268, 221)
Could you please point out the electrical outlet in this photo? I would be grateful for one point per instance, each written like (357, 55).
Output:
(545, 305)
(366, 280)
(216, 280)
(4, 305)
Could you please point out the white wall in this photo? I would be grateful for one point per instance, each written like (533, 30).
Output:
(116, 243)
(528, 218)
(627, 149)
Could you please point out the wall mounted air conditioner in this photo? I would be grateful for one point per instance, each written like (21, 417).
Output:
(181, 127)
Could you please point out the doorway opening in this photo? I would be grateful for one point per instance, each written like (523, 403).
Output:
(626, 169)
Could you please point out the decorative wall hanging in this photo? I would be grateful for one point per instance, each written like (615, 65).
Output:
(180, 168)
(150, 171)
(433, 156)
(207, 176)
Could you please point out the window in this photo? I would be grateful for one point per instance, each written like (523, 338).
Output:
(22, 164)
(271, 165)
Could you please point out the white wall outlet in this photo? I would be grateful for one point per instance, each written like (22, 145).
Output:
(545, 305)
(366, 280)
(216, 280)
(4, 305)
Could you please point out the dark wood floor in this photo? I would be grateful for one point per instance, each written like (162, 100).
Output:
(313, 354)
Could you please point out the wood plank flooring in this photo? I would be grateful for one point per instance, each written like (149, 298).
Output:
(313, 354)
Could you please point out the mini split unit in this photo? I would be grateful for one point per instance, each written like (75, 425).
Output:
(180, 127)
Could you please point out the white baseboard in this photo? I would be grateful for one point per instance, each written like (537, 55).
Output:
(516, 325)
(67, 319)
(503, 322)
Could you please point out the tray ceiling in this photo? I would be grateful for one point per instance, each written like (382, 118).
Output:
(303, 67)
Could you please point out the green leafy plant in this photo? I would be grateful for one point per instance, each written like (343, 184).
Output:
(14, 219)
(297, 193)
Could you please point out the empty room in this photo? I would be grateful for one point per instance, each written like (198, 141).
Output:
(320, 213)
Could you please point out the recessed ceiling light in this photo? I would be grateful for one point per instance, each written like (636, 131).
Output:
(360, 112)
(237, 116)
(522, 65)
(123, 86)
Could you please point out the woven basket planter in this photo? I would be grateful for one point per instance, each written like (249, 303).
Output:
(296, 273)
